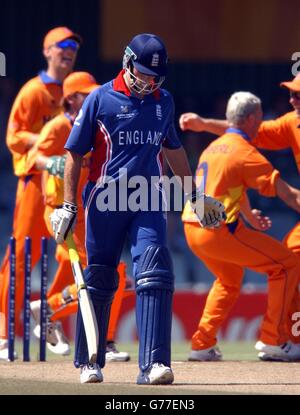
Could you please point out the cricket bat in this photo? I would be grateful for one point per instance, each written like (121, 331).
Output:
(86, 305)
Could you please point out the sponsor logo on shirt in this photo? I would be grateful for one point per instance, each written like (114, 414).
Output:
(125, 114)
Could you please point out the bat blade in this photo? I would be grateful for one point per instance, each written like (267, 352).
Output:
(86, 305)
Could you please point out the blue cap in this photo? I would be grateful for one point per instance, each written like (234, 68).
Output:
(149, 55)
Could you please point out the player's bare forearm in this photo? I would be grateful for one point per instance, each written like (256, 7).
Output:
(217, 127)
(290, 195)
(41, 162)
(179, 165)
(71, 176)
(254, 216)
(21, 141)
(194, 122)
(32, 139)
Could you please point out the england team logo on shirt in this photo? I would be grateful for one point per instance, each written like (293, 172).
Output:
(159, 112)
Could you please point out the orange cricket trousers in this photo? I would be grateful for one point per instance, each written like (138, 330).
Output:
(28, 221)
(64, 276)
(292, 241)
(62, 310)
(226, 255)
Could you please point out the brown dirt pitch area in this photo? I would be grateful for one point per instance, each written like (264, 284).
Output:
(59, 377)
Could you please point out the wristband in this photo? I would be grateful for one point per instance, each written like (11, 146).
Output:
(70, 207)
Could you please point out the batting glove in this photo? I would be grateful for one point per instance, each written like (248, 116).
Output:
(209, 211)
(56, 166)
(62, 220)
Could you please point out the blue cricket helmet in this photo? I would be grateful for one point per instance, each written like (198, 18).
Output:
(148, 54)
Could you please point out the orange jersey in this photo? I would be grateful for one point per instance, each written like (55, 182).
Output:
(281, 133)
(229, 166)
(37, 102)
(51, 142)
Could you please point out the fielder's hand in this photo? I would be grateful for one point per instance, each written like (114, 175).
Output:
(191, 121)
(56, 166)
(62, 220)
(258, 221)
(209, 211)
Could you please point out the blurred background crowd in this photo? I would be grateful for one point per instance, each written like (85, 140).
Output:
(216, 47)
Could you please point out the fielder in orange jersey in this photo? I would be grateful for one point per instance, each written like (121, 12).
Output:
(282, 133)
(48, 152)
(278, 134)
(227, 168)
(37, 102)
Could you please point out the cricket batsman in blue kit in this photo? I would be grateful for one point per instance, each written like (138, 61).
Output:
(127, 124)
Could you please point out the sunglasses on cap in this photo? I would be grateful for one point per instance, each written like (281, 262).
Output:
(295, 95)
(68, 44)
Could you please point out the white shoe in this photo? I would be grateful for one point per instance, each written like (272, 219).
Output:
(4, 350)
(213, 354)
(56, 340)
(112, 354)
(91, 373)
(286, 352)
(158, 374)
